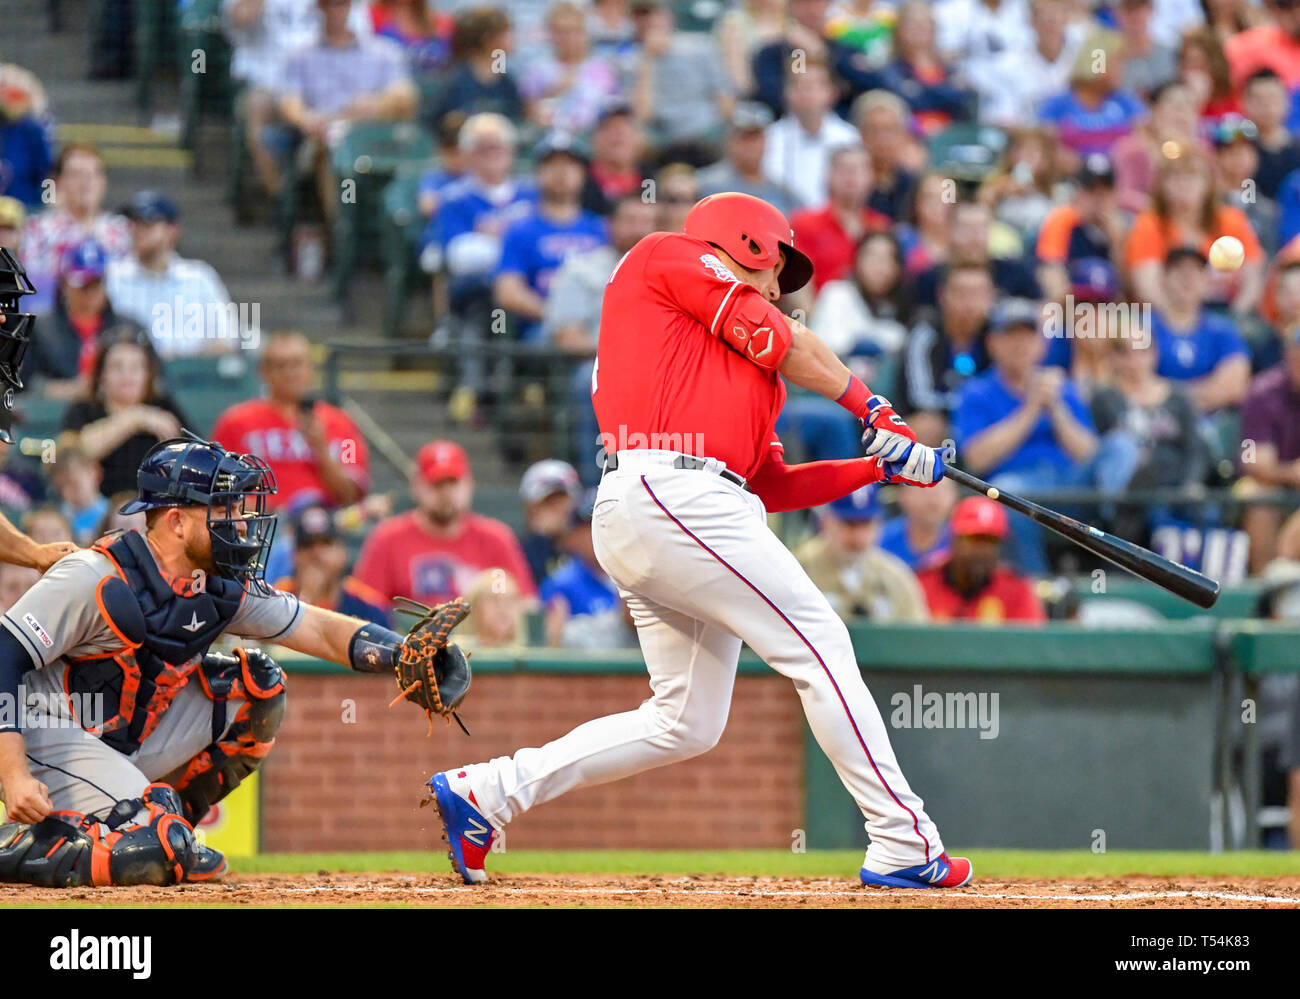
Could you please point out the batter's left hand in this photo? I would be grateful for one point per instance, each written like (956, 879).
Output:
(904, 460)
(881, 415)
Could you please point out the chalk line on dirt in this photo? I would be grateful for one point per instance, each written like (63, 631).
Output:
(1069, 893)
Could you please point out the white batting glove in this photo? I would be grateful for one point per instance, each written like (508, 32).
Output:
(904, 460)
(885, 445)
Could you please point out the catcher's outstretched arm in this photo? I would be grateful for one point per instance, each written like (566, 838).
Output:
(325, 634)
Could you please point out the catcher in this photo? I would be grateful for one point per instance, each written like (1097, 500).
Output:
(128, 728)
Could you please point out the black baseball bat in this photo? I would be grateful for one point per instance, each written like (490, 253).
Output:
(1177, 579)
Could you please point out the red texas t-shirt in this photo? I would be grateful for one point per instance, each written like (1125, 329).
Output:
(402, 559)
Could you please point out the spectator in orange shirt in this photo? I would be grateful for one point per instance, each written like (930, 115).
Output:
(435, 551)
(309, 444)
(1274, 46)
(970, 585)
(1186, 211)
(1089, 226)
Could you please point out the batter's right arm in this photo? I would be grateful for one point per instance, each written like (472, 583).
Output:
(810, 364)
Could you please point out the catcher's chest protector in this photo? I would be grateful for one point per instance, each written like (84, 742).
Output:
(165, 629)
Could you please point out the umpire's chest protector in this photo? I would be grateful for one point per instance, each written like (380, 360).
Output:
(164, 628)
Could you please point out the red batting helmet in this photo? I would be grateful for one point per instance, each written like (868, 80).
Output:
(752, 232)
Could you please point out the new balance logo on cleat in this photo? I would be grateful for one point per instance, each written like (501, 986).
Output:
(933, 873)
(476, 833)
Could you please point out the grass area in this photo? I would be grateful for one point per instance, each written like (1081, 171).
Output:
(996, 864)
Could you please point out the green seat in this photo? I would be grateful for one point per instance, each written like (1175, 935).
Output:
(39, 418)
(967, 151)
(885, 379)
(364, 162)
(1235, 602)
(378, 148)
(207, 386)
(156, 34)
(402, 225)
(210, 92)
(697, 15)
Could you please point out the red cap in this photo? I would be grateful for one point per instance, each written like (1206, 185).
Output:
(440, 460)
(981, 516)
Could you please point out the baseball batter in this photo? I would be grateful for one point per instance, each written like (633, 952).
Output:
(127, 729)
(687, 389)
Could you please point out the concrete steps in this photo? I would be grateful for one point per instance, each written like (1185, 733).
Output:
(140, 148)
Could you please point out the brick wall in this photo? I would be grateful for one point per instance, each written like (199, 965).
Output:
(334, 785)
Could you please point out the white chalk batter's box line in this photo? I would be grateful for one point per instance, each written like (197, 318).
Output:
(1066, 894)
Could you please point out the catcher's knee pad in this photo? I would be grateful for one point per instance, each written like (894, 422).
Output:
(251, 684)
(73, 850)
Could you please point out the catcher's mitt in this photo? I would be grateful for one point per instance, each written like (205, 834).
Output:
(430, 671)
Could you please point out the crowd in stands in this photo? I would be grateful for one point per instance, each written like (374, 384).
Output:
(1009, 204)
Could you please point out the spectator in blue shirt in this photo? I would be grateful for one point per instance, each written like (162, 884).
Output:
(463, 242)
(442, 179)
(583, 608)
(472, 213)
(1094, 113)
(1024, 426)
(25, 155)
(535, 246)
(1202, 350)
(1020, 416)
(920, 534)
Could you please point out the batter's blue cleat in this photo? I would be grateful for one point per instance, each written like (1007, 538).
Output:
(468, 834)
(942, 872)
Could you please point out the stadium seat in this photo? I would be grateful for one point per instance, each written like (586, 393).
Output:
(210, 92)
(967, 151)
(39, 417)
(368, 157)
(156, 36)
(207, 386)
(402, 225)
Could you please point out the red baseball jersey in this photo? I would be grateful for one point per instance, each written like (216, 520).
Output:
(401, 559)
(687, 356)
(257, 427)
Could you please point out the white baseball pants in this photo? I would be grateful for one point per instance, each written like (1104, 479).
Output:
(701, 571)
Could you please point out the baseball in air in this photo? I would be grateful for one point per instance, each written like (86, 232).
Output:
(1227, 253)
(993, 492)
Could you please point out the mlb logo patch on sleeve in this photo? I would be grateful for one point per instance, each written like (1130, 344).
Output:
(40, 631)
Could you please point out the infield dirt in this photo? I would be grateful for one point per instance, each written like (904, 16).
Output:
(588, 891)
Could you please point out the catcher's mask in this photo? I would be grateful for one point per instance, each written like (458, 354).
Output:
(190, 471)
(15, 335)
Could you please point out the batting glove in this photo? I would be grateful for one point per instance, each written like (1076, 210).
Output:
(881, 415)
(904, 460)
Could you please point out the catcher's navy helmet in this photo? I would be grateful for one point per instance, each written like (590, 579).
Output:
(190, 471)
